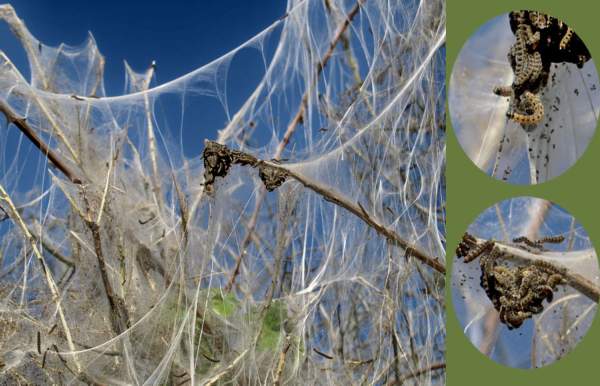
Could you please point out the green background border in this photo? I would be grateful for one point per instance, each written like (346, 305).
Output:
(470, 191)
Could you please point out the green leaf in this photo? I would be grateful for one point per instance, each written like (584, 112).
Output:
(224, 306)
(271, 326)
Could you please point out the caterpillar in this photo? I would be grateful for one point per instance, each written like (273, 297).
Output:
(478, 250)
(518, 54)
(525, 240)
(535, 66)
(505, 91)
(566, 39)
(555, 279)
(532, 102)
(553, 239)
(465, 245)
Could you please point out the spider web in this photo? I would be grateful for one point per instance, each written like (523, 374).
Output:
(319, 295)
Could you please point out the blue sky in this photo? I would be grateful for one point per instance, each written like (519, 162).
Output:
(181, 36)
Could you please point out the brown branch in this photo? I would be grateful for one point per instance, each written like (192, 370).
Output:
(281, 362)
(359, 211)
(119, 317)
(22, 125)
(218, 159)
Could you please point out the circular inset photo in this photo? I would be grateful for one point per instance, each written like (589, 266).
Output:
(524, 97)
(525, 282)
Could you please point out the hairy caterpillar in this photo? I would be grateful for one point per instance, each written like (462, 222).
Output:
(566, 39)
(488, 245)
(533, 107)
(465, 245)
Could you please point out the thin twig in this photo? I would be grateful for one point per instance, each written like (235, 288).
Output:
(183, 211)
(22, 125)
(281, 362)
(51, 249)
(221, 374)
(396, 349)
(119, 315)
(152, 148)
(321, 353)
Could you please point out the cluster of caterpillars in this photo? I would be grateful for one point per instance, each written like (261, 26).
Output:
(517, 292)
(540, 41)
(219, 158)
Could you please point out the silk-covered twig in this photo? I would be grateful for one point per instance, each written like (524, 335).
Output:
(218, 159)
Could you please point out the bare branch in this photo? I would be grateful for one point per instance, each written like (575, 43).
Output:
(22, 125)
